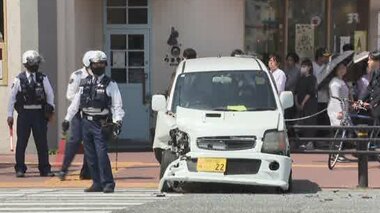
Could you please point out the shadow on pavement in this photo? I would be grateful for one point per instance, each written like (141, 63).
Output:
(299, 187)
(134, 178)
(305, 187)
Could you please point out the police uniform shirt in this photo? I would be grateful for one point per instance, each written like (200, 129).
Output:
(16, 87)
(112, 91)
(74, 83)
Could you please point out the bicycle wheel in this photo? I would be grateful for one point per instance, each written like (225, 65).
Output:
(336, 145)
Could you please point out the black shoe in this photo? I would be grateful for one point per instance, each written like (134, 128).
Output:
(20, 174)
(47, 174)
(62, 175)
(108, 189)
(84, 177)
(93, 189)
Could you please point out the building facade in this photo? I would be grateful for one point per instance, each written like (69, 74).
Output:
(144, 40)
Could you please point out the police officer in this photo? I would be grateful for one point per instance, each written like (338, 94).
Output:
(371, 96)
(33, 98)
(100, 102)
(76, 123)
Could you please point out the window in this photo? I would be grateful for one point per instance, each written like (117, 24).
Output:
(307, 30)
(3, 39)
(264, 27)
(127, 12)
(349, 20)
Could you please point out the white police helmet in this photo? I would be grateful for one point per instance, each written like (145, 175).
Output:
(86, 57)
(31, 57)
(98, 56)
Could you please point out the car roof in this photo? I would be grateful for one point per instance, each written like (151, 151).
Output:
(237, 63)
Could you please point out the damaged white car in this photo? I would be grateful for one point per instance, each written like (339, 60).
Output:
(224, 123)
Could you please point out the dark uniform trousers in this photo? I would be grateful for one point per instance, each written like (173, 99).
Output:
(96, 154)
(32, 120)
(73, 144)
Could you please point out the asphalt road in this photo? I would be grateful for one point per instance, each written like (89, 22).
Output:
(321, 201)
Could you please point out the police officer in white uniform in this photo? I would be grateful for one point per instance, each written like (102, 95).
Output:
(33, 98)
(100, 102)
(73, 144)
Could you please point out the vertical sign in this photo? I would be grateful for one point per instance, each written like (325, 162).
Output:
(360, 39)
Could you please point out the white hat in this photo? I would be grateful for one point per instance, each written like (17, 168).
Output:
(87, 56)
(98, 56)
(31, 57)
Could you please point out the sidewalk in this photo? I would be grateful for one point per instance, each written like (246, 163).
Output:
(135, 170)
(140, 170)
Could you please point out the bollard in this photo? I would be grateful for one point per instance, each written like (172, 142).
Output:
(362, 161)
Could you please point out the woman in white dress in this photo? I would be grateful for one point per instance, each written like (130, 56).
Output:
(337, 89)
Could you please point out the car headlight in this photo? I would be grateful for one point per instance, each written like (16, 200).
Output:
(274, 142)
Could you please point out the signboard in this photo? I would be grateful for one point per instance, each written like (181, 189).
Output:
(360, 38)
(304, 40)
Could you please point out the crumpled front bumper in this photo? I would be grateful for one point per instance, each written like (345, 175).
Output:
(179, 171)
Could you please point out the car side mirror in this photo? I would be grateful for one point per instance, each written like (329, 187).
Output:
(286, 99)
(158, 103)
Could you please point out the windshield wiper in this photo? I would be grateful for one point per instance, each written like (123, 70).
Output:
(260, 108)
(225, 109)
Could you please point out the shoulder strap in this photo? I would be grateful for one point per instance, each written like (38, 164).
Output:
(106, 81)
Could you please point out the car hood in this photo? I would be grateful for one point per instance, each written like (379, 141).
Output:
(201, 123)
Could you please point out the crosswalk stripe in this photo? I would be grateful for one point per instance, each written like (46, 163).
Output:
(75, 200)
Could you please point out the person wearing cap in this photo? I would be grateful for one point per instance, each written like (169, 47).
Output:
(371, 96)
(319, 69)
(75, 139)
(32, 97)
(100, 102)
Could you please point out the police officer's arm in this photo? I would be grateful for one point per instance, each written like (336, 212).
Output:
(49, 92)
(117, 103)
(12, 97)
(72, 87)
(74, 106)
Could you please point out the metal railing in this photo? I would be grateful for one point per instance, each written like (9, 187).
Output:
(361, 140)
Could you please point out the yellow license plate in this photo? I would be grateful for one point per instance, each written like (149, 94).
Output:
(211, 165)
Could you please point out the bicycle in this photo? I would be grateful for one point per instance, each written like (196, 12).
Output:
(343, 133)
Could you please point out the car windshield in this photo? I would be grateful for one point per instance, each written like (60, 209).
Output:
(224, 91)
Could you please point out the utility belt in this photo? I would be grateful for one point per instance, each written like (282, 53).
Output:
(32, 107)
(102, 118)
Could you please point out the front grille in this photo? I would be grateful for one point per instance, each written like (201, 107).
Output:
(227, 143)
(234, 166)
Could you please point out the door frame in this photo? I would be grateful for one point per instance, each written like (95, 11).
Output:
(130, 28)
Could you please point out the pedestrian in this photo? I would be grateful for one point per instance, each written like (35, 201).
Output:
(100, 102)
(292, 73)
(33, 98)
(339, 91)
(161, 136)
(319, 69)
(306, 100)
(189, 53)
(371, 96)
(278, 74)
(75, 140)
(237, 52)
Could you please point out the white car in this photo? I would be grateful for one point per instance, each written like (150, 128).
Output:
(224, 122)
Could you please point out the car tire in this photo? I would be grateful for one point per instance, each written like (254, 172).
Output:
(290, 188)
(167, 157)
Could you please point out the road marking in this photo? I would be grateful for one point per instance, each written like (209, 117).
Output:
(74, 200)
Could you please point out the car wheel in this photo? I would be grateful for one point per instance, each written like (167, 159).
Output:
(167, 157)
(290, 188)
